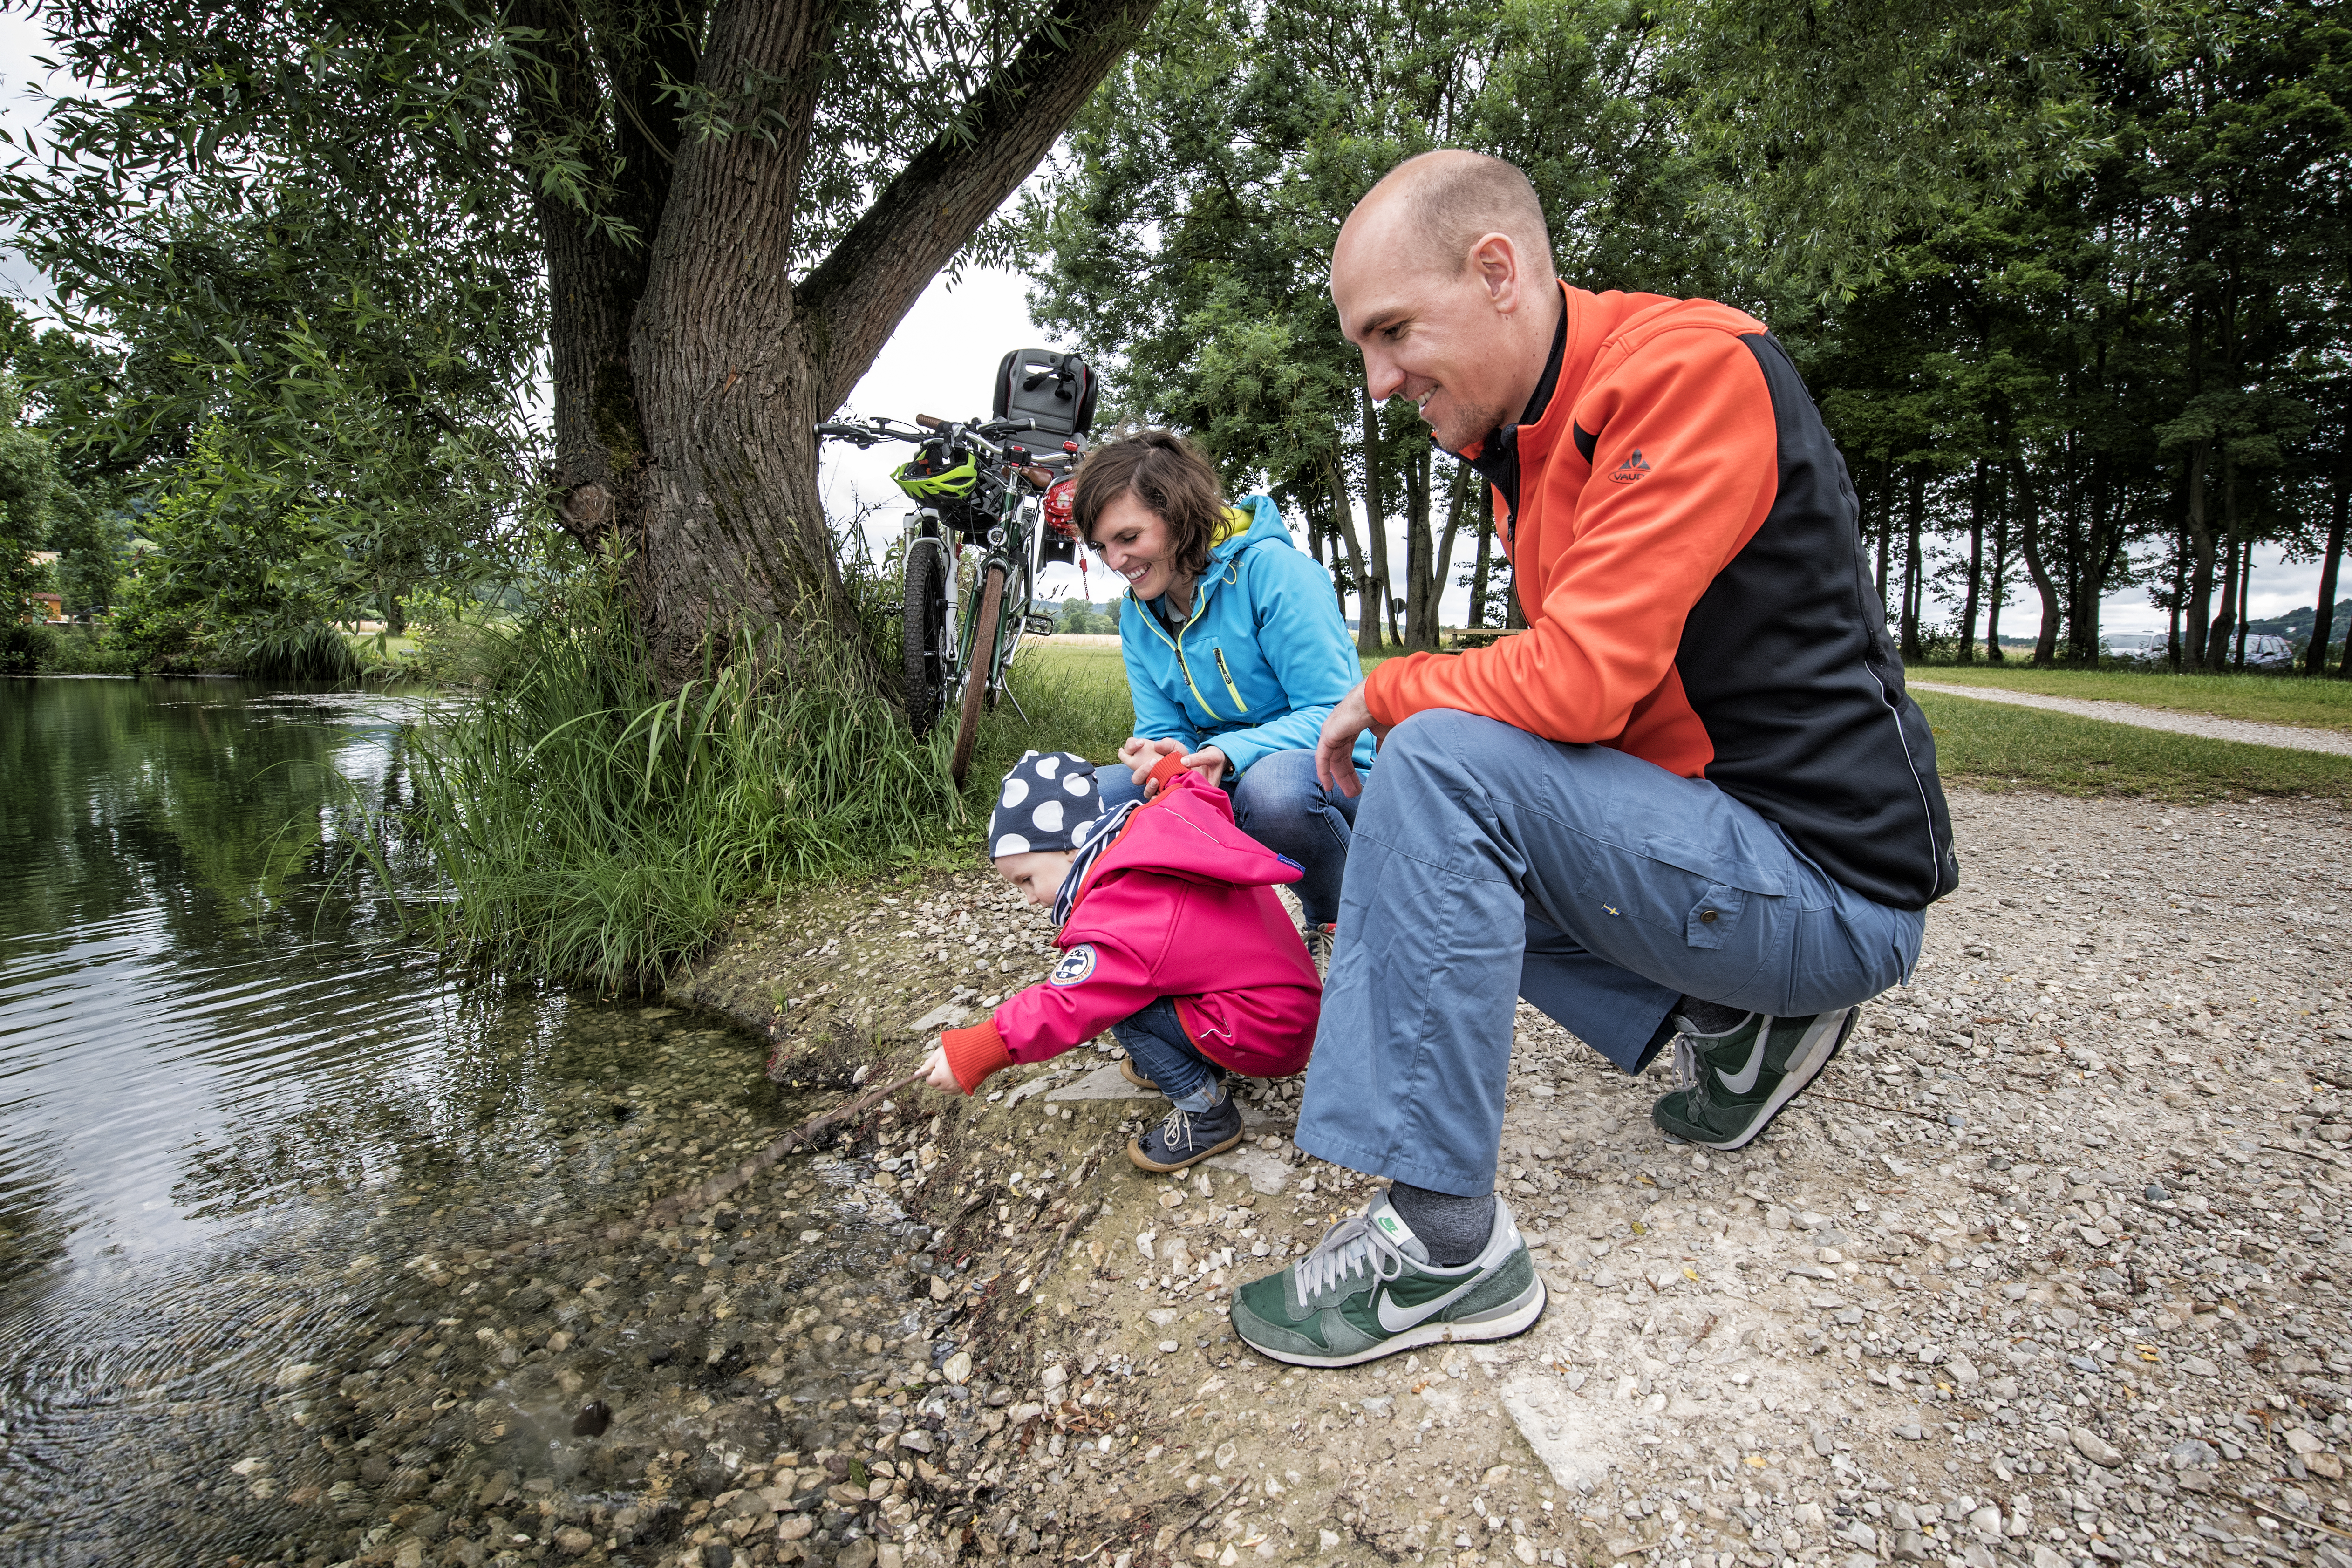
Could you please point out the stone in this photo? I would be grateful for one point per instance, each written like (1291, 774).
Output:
(1265, 1170)
(918, 1439)
(1910, 1431)
(2303, 1443)
(2198, 1366)
(859, 1553)
(2328, 1466)
(1105, 1082)
(1623, 1546)
(2191, 1454)
(2096, 1449)
(946, 1016)
(957, 1368)
(1987, 1522)
(1908, 1547)
(1963, 1371)
(573, 1541)
(2043, 1557)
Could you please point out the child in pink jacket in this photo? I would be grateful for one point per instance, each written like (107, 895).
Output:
(1171, 937)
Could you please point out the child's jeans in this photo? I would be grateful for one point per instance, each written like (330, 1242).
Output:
(1155, 1039)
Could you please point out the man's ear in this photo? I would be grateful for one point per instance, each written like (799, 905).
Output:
(1495, 258)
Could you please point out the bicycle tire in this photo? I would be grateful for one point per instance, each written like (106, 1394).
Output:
(926, 651)
(976, 677)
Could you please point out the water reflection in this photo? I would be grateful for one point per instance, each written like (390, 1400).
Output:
(233, 1100)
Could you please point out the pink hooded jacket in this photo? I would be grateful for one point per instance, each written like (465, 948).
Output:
(1182, 904)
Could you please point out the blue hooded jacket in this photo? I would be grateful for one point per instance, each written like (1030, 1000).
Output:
(1261, 662)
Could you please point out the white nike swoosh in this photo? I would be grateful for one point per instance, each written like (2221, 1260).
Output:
(1396, 1323)
(1744, 1079)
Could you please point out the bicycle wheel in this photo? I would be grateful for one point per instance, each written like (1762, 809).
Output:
(926, 653)
(976, 675)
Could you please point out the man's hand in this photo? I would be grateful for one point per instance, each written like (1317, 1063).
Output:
(938, 1074)
(1335, 749)
(1141, 756)
(1210, 763)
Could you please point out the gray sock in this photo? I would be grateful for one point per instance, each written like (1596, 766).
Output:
(1454, 1229)
(1710, 1018)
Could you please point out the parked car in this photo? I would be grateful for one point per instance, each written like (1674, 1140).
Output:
(2266, 650)
(2142, 647)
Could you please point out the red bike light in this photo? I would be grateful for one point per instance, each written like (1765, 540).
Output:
(1058, 508)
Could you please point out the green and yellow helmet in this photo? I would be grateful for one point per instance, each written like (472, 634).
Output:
(923, 480)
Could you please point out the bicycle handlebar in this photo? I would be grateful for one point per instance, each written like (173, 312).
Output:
(931, 427)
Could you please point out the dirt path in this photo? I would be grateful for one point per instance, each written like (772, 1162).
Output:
(2293, 738)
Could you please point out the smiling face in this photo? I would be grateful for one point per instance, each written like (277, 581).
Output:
(1455, 338)
(1038, 873)
(1136, 542)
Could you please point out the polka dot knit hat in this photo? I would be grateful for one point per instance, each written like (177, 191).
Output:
(1047, 802)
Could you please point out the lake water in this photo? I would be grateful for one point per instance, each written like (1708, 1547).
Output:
(244, 1120)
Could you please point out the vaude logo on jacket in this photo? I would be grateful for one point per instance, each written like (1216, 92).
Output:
(1075, 965)
(1632, 469)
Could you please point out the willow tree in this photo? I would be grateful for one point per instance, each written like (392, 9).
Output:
(730, 204)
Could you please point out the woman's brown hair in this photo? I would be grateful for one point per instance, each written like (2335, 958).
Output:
(1170, 476)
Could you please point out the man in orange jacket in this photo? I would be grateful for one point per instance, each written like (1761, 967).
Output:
(1691, 801)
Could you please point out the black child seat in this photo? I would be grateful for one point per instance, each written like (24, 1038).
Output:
(1056, 390)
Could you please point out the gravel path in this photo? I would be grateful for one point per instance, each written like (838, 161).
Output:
(2292, 737)
(2049, 1271)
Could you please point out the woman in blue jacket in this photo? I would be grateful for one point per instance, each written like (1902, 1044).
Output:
(1236, 651)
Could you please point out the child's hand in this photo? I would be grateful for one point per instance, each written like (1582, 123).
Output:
(938, 1073)
(1141, 756)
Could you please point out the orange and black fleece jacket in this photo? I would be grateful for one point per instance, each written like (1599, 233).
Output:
(1687, 547)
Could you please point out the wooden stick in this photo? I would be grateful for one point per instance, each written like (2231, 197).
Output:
(665, 1214)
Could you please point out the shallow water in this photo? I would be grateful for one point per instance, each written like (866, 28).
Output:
(256, 1142)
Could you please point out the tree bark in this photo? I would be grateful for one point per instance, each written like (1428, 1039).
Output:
(2323, 620)
(1375, 522)
(1914, 568)
(1482, 568)
(1343, 517)
(1419, 554)
(2045, 643)
(731, 363)
(2217, 634)
(1976, 563)
(2201, 550)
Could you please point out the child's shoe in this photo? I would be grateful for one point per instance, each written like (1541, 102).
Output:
(1187, 1137)
(1126, 1070)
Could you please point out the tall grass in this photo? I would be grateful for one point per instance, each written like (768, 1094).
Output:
(590, 827)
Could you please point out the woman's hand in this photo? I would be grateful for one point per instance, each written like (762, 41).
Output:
(1210, 763)
(1141, 756)
(938, 1073)
(1335, 749)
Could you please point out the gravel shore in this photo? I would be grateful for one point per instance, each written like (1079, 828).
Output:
(2048, 1271)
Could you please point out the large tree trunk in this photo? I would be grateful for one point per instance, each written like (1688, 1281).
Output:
(690, 368)
(1419, 554)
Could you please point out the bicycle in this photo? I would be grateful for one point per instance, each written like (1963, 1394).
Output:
(977, 486)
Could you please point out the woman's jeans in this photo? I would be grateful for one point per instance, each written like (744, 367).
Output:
(1278, 804)
(1156, 1042)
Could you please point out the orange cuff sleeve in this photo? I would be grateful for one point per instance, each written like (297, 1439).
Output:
(974, 1052)
(1169, 766)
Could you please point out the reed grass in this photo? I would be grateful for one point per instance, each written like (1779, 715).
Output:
(589, 827)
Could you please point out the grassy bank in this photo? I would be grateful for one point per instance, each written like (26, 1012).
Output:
(2002, 746)
(2267, 699)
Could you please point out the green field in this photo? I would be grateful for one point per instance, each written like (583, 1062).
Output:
(1997, 745)
(2267, 698)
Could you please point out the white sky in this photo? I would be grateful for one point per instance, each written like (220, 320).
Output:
(943, 356)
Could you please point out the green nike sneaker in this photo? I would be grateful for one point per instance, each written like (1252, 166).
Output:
(1368, 1291)
(1734, 1083)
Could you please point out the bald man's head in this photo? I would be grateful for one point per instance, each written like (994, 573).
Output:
(1443, 278)
(1443, 202)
